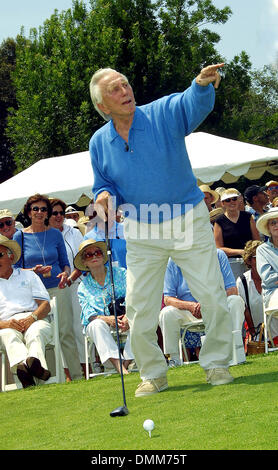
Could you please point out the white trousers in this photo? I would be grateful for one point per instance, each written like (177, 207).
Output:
(193, 250)
(171, 320)
(103, 340)
(66, 333)
(31, 343)
(77, 326)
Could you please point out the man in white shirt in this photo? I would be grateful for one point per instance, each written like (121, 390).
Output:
(24, 306)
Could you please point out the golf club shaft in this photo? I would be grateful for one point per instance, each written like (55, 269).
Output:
(109, 255)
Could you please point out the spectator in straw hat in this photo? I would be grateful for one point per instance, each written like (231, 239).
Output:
(211, 196)
(95, 295)
(24, 306)
(7, 223)
(272, 191)
(234, 228)
(219, 191)
(267, 257)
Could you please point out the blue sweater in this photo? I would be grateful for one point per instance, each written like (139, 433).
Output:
(156, 168)
(55, 253)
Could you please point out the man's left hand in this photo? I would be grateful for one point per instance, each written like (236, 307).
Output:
(26, 322)
(209, 75)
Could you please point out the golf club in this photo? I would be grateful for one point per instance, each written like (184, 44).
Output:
(121, 410)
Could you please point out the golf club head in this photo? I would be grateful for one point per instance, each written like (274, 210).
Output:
(120, 411)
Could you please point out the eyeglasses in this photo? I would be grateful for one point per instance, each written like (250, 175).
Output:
(95, 254)
(39, 209)
(58, 212)
(7, 222)
(231, 199)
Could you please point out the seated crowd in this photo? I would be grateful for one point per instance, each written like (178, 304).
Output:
(59, 251)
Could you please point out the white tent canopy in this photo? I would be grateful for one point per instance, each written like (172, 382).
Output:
(212, 158)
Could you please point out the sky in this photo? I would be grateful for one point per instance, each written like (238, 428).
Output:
(252, 26)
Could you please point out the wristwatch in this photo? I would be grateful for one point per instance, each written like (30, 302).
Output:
(34, 316)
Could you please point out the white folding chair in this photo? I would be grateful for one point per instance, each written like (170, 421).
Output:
(89, 345)
(269, 313)
(59, 376)
(237, 266)
(194, 327)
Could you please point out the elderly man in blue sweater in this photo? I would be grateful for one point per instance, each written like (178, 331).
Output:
(140, 163)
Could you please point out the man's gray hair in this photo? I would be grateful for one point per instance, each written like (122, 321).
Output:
(95, 91)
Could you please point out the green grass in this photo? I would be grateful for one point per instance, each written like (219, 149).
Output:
(190, 415)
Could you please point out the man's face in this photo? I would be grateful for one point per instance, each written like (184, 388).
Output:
(6, 261)
(7, 227)
(117, 96)
(73, 216)
(262, 198)
(208, 198)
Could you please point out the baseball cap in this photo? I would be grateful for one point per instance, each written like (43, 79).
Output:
(252, 191)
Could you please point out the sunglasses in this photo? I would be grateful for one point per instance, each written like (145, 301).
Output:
(39, 209)
(273, 222)
(7, 222)
(271, 188)
(231, 199)
(58, 212)
(95, 254)
(2, 254)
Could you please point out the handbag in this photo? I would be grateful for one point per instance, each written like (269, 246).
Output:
(247, 337)
(119, 305)
(256, 347)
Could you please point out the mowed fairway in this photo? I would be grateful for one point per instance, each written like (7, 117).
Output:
(190, 415)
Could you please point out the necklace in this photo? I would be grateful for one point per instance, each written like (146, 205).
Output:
(41, 248)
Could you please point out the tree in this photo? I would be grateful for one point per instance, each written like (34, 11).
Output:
(256, 120)
(7, 100)
(160, 46)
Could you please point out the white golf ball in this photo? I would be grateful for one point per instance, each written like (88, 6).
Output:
(148, 425)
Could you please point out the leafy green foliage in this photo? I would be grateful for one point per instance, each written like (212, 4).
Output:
(7, 99)
(160, 46)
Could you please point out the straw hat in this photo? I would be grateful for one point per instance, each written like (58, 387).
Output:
(271, 183)
(262, 222)
(215, 213)
(206, 189)
(84, 220)
(220, 190)
(5, 213)
(11, 245)
(78, 261)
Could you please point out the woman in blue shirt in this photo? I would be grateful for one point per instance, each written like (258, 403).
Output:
(44, 252)
(94, 294)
